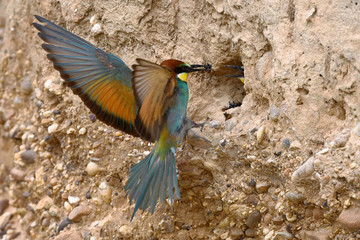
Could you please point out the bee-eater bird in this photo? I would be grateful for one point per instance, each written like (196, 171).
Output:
(239, 75)
(149, 102)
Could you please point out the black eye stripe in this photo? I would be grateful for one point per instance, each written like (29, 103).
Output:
(181, 69)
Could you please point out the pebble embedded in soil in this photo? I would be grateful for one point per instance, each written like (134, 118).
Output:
(262, 187)
(316, 235)
(92, 168)
(82, 131)
(126, 230)
(357, 130)
(26, 85)
(295, 145)
(274, 113)
(96, 29)
(286, 143)
(52, 128)
(4, 203)
(73, 199)
(214, 124)
(294, 197)
(304, 171)
(250, 233)
(350, 218)
(28, 156)
(342, 138)
(260, 134)
(79, 211)
(105, 192)
(253, 219)
(17, 174)
(230, 124)
(92, 117)
(4, 219)
(44, 203)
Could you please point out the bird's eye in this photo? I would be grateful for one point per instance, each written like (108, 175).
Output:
(185, 69)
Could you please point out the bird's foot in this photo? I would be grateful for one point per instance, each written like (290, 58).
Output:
(201, 125)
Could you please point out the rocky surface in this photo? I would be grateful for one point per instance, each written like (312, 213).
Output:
(283, 165)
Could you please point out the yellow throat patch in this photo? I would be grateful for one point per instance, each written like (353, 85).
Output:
(183, 76)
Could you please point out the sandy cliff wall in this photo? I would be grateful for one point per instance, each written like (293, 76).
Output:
(286, 163)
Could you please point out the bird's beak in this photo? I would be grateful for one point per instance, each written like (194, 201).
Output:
(240, 75)
(198, 68)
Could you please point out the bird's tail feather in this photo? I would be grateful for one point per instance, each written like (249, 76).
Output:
(153, 178)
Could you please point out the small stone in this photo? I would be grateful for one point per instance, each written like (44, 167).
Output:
(262, 187)
(98, 153)
(357, 130)
(318, 213)
(88, 195)
(274, 113)
(350, 218)
(53, 181)
(253, 219)
(92, 168)
(267, 218)
(54, 211)
(82, 131)
(294, 197)
(126, 230)
(4, 219)
(295, 145)
(44, 203)
(26, 85)
(342, 138)
(250, 233)
(73, 199)
(304, 171)
(17, 174)
(286, 143)
(260, 134)
(315, 235)
(70, 131)
(105, 192)
(214, 124)
(45, 222)
(236, 233)
(283, 236)
(52, 128)
(225, 223)
(291, 217)
(96, 144)
(96, 29)
(277, 220)
(67, 206)
(92, 117)
(48, 84)
(47, 114)
(4, 203)
(56, 112)
(268, 234)
(28, 156)
(230, 124)
(79, 211)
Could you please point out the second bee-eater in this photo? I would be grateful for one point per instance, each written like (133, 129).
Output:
(149, 102)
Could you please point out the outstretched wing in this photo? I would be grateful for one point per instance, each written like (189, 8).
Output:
(102, 80)
(153, 87)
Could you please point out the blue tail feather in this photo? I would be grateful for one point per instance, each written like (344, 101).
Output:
(153, 178)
